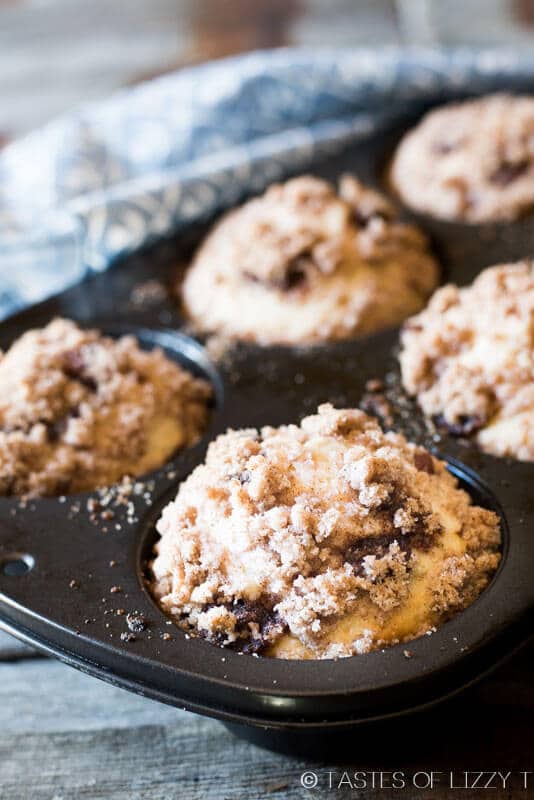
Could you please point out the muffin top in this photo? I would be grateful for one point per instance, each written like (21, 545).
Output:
(79, 410)
(469, 359)
(471, 161)
(304, 264)
(322, 540)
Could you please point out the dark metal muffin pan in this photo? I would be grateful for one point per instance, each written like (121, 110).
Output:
(68, 582)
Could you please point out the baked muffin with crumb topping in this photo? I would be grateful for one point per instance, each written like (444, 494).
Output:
(323, 540)
(79, 410)
(305, 263)
(469, 360)
(471, 161)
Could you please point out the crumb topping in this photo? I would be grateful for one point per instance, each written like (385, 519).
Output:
(80, 410)
(333, 263)
(469, 359)
(470, 161)
(322, 540)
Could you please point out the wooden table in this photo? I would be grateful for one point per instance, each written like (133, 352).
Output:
(64, 735)
(56, 54)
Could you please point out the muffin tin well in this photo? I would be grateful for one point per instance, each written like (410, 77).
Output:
(80, 594)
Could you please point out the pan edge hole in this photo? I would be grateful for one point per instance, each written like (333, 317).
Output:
(16, 565)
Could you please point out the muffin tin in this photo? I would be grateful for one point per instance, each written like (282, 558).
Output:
(72, 579)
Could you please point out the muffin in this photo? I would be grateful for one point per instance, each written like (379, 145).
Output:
(470, 161)
(79, 410)
(304, 264)
(322, 540)
(469, 360)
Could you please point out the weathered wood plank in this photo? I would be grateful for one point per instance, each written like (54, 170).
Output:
(65, 735)
(44, 696)
(57, 54)
(12, 649)
(75, 701)
(161, 763)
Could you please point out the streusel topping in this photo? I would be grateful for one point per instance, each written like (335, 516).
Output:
(470, 161)
(469, 359)
(80, 410)
(322, 540)
(304, 263)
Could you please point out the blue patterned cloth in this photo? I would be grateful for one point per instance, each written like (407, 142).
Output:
(112, 176)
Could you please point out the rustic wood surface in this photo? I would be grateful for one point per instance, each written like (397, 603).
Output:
(64, 735)
(56, 54)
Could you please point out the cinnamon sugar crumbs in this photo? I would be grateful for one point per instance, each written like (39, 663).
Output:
(323, 540)
(306, 263)
(80, 410)
(471, 161)
(469, 360)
